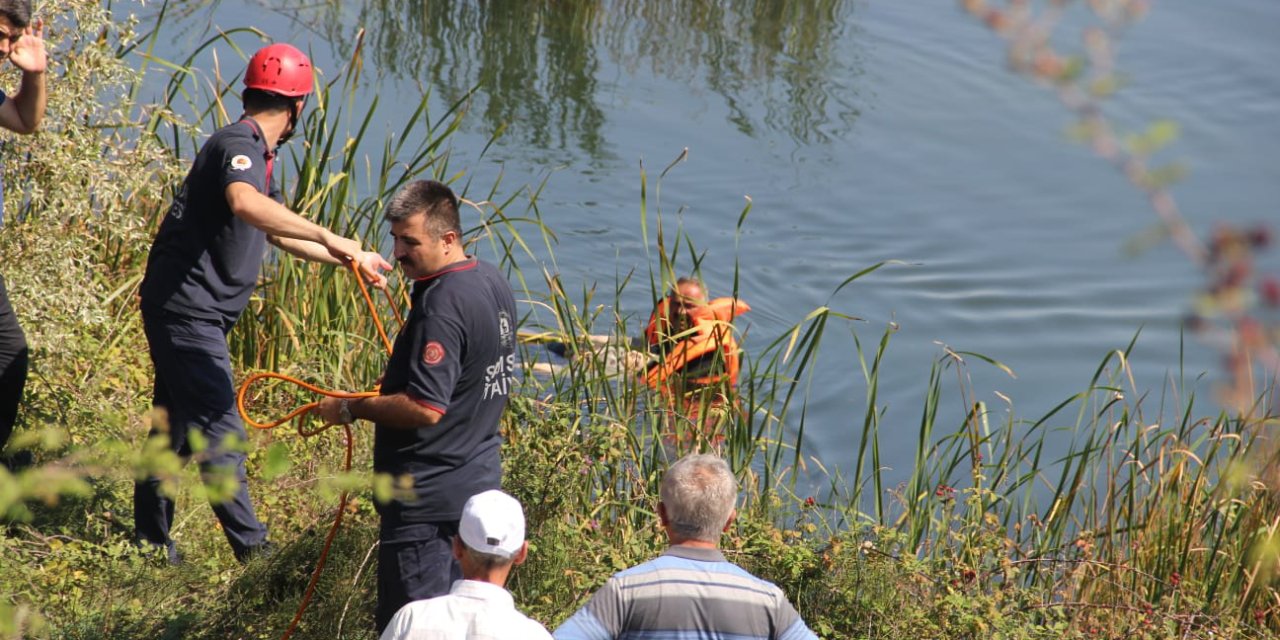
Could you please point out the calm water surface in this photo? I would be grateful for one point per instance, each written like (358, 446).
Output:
(862, 132)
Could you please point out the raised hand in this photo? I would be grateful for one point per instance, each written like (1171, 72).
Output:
(28, 52)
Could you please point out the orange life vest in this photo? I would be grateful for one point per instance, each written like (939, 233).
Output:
(711, 330)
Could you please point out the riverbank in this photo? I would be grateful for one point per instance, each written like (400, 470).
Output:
(1156, 519)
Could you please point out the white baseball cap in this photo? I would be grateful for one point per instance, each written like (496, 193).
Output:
(492, 522)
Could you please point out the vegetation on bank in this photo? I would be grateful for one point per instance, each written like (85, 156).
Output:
(1119, 514)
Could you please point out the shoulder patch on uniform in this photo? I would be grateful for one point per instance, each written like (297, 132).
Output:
(241, 163)
(433, 353)
(506, 338)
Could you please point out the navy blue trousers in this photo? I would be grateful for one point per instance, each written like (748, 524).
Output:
(415, 562)
(193, 385)
(13, 366)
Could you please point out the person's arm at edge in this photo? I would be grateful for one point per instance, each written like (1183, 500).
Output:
(24, 110)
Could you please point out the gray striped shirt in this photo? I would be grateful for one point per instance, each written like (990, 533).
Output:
(686, 593)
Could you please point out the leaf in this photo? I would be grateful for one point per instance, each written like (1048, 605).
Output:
(1105, 86)
(1162, 132)
(197, 441)
(277, 461)
(383, 487)
(1164, 176)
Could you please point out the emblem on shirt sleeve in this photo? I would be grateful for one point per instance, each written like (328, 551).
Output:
(241, 163)
(433, 353)
(179, 205)
(506, 337)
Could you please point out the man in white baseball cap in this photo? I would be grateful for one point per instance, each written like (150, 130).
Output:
(489, 543)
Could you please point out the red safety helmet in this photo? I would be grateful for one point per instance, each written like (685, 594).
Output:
(279, 68)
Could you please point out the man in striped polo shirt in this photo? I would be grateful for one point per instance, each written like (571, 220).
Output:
(691, 590)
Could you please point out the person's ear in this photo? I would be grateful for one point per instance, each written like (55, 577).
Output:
(522, 554)
(662, 514)
(457, 548)
(733, 515)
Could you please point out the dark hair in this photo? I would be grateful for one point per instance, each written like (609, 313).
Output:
(17, 11)
(261, 100)
(435, 199)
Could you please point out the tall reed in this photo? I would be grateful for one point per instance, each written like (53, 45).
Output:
(1105, 502)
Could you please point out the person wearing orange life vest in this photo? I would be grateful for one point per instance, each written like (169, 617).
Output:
(693, 343)
(687, 348)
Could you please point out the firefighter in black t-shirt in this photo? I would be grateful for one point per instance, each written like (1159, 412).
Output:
(203, 266)
(444, 390)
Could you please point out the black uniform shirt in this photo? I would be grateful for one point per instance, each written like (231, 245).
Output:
(456, 355)
(205, 261)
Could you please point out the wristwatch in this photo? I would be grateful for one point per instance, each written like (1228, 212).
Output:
(344, 412)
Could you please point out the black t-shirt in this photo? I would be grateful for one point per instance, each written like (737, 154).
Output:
(3, 97)
(205, 261)
(456, 355)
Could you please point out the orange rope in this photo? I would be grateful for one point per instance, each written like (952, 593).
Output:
(328, 544)
(300, 410)
(373, 311)
(306, 433)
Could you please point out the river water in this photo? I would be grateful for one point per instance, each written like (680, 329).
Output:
(861, 132)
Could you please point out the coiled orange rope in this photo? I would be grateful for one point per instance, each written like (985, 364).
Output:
(306, 433)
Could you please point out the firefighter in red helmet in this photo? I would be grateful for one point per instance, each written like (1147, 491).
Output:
(202, 269)
(282, 70)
